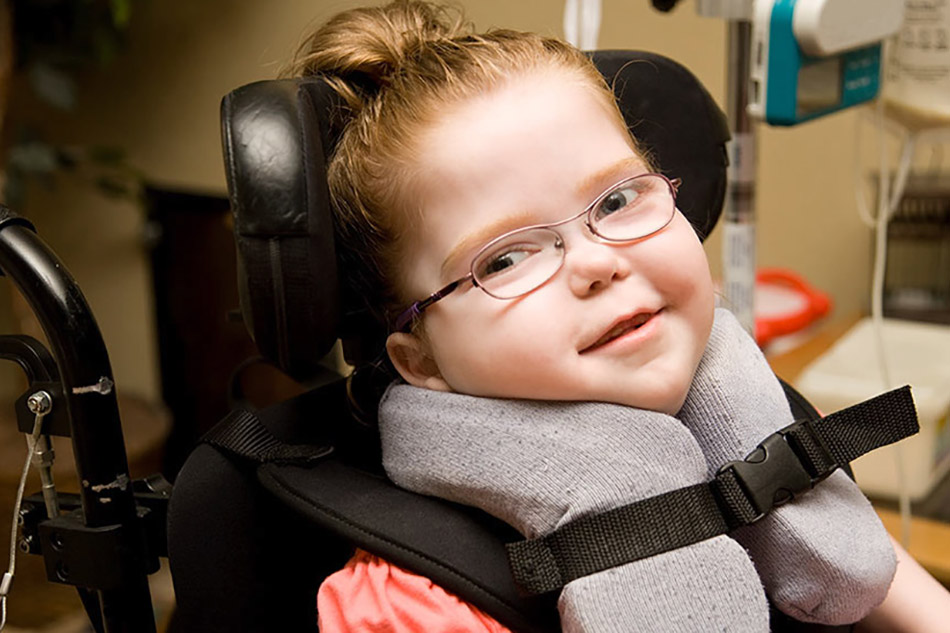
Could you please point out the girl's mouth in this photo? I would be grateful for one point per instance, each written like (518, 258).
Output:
(619, 329)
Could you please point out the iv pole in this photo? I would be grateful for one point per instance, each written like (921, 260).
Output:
(738, 246)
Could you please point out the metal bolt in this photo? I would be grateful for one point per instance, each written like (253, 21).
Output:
(39, 403)
(25, 543)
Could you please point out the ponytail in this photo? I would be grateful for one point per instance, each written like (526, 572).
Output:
(359, 51)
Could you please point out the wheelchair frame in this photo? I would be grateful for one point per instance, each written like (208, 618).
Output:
(108, 537)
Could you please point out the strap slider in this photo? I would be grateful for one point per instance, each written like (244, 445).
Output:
(770, 475)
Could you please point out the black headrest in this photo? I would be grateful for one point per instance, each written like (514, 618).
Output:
(278, 136)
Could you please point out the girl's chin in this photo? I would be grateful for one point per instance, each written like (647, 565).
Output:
(667, 398)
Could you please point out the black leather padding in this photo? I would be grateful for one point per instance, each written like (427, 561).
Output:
(278, 136)
(461, 549)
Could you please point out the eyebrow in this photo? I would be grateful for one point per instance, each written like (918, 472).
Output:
(485, 234)
(609, 174)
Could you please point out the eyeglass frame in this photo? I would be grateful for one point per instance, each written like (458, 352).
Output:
(410, 314)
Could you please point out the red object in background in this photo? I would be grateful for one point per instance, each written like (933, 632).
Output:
(795, 305)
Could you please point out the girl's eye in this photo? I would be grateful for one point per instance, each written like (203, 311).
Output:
(504, 260)
(618, 200)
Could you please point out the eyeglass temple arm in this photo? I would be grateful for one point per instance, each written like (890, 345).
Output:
(416, 309)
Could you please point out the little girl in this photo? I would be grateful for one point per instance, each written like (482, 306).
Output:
(552, 317)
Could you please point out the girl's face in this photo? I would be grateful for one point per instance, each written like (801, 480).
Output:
(537, 150)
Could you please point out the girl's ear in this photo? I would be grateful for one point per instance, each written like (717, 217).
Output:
(411, 357)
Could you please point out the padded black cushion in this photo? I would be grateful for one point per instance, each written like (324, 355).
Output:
(242, 560)
(278, 135)
(275, 148)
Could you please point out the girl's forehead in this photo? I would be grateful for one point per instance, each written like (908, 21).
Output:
(546, 124)
(529, 152)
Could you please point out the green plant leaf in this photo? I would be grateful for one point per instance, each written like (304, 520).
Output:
(106, 44)
(121, 13)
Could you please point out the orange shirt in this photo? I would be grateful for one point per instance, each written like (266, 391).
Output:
(373, 596)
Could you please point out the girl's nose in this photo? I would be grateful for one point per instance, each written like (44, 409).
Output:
(593, 265)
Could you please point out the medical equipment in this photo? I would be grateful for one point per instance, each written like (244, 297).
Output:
(910, 107)
(815, 57)
(917, 273)
(917, 74)
(738, 250)
(791, 62)
(816, 72)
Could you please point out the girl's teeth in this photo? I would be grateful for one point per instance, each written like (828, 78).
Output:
(626, 326)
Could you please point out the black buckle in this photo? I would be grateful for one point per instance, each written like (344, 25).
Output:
(772, 474)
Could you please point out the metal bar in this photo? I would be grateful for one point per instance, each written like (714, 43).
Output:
(98, 444)
(738, 250)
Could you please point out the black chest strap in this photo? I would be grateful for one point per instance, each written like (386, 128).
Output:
(242, 434)
(787, 463)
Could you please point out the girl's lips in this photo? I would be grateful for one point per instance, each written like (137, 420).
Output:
(621, 329)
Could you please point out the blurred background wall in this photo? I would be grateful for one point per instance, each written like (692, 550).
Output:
(159, 101)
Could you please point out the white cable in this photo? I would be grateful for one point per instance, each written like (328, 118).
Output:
(860, 196)
(590, 24)
(8, 576)
(582, 23)
(888, 202)
(571, 22)
(880, 250)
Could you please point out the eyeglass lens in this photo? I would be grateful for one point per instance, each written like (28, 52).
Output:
(522, 260)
